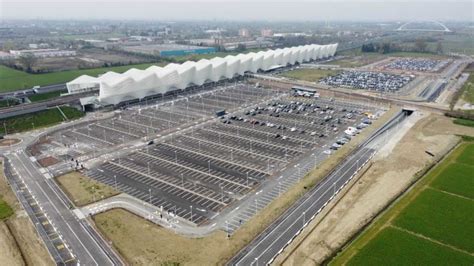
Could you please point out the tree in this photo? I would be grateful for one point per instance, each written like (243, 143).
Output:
(240, 47)
(28, 60)
(420, 45)
(439, 48)
(385, 48)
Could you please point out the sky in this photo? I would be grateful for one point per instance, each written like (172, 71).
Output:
(240, 10)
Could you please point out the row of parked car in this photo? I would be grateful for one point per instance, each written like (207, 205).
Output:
(349, 133)
(417, 64)
(366, 80)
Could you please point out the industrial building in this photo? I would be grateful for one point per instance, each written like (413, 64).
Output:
(43, 53)
(169, 49)
(115, 88)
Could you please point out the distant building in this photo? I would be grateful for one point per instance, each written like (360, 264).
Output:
(42, 53)
(244, 33)
(4, 56)
(169, 49)
(267, 33)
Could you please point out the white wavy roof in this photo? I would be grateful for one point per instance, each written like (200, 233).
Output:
(135, 83)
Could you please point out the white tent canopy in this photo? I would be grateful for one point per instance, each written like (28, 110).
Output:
(134, 83)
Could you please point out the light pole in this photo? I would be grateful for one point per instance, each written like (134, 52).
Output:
(191, 213)
(115, 179)
(256, 206)
(149, 191)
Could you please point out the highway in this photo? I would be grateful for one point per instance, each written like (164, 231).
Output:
(88, 247)
(272, 241)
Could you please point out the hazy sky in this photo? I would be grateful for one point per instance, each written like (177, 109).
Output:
(311, 10)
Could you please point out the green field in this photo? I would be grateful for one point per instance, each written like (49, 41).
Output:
(11, 79)
(309, 74)
(457, 179)
(431, 225)
(464, 122)
(468, 88)
(442, 217)
(5, 210)
(8, 103)
(36, 120)
(395, 247)
(45, 96)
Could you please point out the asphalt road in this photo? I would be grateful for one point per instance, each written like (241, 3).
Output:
(87, 246)
(275, 238)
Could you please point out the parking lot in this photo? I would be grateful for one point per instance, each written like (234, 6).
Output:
(374, 81)
(417, 64)
(144, 122)
(200, 171)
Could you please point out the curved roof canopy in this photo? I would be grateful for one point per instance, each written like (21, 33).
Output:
(134, 83)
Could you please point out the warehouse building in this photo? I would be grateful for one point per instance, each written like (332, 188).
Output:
(169, 49)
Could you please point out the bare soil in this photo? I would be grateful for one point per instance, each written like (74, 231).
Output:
(8, 142)
(382, 182)
(48, 161)
(9, 251)
(26, 241)
(82, 190)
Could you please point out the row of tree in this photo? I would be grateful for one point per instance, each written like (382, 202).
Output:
(419, 45)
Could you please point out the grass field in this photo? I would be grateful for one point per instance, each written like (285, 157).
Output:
(468, 87)
(457, 179)
(5, 210)
(431, 225)
(11, 79)
(401, 248)
(45, 96)
(308, 74)
(464, 122)
(83, 190)
(8, 102)
(36, 120)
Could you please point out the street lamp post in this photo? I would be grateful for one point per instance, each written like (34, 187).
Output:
(191, 213)
(149, 191)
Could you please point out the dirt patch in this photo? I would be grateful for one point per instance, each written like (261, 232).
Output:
(82, 190)
(28, 244)
(48, 161)
(10, 254)
(31, 246)
(8, 142)
(35, 149)
(385, 179)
